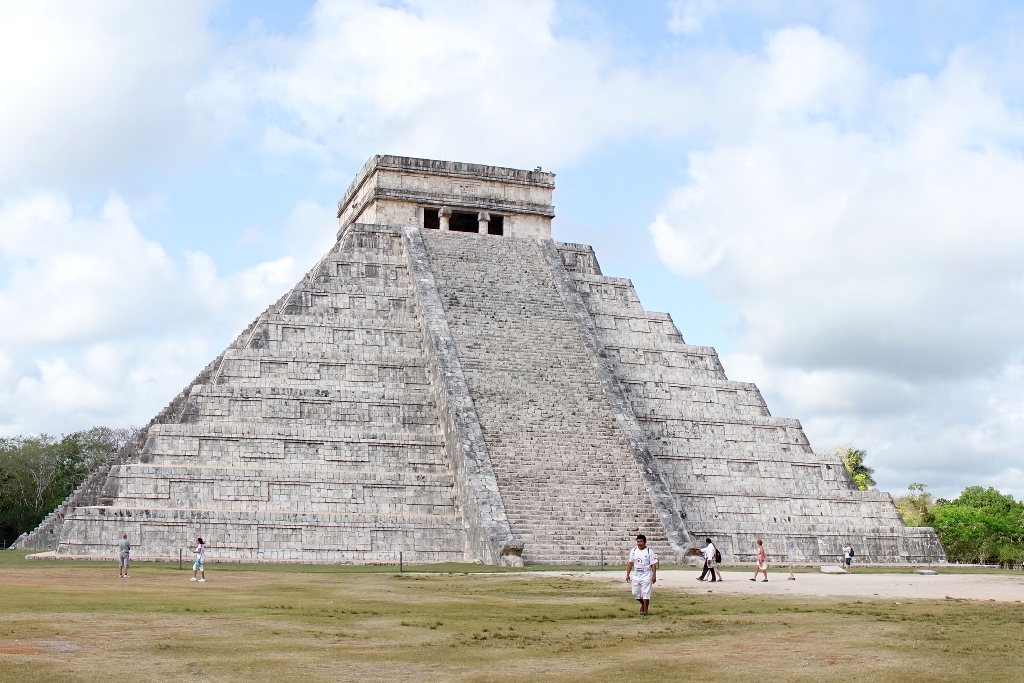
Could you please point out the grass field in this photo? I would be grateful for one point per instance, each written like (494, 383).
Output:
(76, 621)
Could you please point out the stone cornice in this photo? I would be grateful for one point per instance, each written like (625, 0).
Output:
(455, 201)
(453, 169)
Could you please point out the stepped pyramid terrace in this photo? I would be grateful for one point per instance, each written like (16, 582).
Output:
(452, 384)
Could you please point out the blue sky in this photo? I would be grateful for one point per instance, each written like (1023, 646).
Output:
(827, 192)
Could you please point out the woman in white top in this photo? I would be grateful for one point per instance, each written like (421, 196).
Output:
(199, 566)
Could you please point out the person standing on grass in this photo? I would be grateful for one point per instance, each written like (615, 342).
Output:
(643, 565)
(199, 566)
(848, 555)
(762, 561)
(124, 549)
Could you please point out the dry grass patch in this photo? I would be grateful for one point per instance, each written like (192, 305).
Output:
(79, 622)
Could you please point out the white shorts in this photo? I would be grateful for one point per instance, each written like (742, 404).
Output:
(642, 587)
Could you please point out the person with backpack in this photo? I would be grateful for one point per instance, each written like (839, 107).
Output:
(712, 557)
(643, 565)
(848, 554)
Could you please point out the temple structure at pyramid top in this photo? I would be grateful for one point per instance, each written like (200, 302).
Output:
(489, 200)
(449, 383)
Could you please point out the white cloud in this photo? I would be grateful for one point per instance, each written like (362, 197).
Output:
(90, 87)
(689, 16)
(487, 80)
(119, 383)
(806, 74)
(106, 325)
(78, 279)
(875, 258)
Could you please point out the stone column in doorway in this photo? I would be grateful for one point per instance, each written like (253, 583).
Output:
(443, 215)
(484, 219)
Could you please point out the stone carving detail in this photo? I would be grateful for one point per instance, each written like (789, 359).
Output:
(445, 215)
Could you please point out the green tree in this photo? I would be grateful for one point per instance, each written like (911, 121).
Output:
(853, 459)
(990, 500)
(916, 505)
(981, 525)
(38, 472)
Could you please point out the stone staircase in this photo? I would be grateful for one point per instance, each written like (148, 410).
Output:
(570, 486)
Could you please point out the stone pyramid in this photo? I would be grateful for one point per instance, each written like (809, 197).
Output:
(451, 384)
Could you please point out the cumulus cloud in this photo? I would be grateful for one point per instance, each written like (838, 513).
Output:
(875, 258)
(104, 324)
(488, 80)
(91, 87)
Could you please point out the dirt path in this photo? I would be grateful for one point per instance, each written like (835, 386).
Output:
(903, 585)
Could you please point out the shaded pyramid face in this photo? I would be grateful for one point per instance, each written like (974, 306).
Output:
(450, 384)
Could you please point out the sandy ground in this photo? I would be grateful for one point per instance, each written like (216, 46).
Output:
(903, 585)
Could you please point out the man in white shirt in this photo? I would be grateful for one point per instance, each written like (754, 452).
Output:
(709, 552)
(848, 555)
(643, 565)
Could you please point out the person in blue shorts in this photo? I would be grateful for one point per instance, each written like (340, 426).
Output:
(199, 566)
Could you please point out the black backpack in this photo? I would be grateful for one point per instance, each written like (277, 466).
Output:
(852, 552)
(718, 554)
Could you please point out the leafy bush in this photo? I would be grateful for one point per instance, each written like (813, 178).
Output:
(981, 525)
(916, 506)
(853, 459)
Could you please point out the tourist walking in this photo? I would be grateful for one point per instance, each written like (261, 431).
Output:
(848, 555)
(710, 553)
(762, 561)
(124, 549)
(643, 565)
(199, 566)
